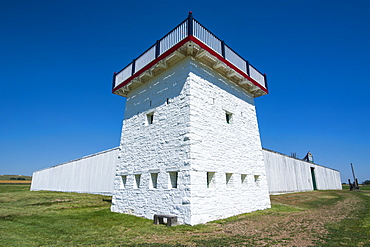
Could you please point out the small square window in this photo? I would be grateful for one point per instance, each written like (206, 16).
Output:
(211, 181)
(154, 180)
(257, 179)
(173, 179)
(243, 178)
(123, 180)
(229, 179)
(137, 181)
(150, 118)
(228, 117)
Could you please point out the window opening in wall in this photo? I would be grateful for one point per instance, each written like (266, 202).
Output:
(173, 179)
(243, 178)
(211, 181)
(228, 117)
(228, 179)
(150, 103)
(257, 179)
(154, 178)
(150, 117)
(124, 178)
(137, 181)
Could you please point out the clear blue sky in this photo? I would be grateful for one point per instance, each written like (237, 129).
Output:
(57, 59)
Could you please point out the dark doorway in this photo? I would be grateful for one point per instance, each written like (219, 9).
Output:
(313, 178)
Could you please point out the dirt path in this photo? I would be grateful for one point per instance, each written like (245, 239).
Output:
(292, 229)
(300, 227)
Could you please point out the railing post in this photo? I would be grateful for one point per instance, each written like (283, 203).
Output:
(248, 72)
(223, 49)
(190, 24)
(114, 80)
(157, 48)
(264, 76)
(133, 67)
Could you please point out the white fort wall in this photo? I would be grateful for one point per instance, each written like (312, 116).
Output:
(90, 174)
(204, 168)
(286, 174)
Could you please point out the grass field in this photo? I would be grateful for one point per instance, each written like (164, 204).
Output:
(15, 179)
(318, 218)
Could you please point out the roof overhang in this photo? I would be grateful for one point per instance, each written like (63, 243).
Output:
(191, 46)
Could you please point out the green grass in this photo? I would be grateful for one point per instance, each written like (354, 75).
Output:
(362, 187)
(42, 218)
(34, 218)
(352, 231)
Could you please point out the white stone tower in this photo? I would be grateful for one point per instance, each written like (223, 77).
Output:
(190, 143)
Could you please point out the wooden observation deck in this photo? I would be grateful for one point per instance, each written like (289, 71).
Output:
(190, 38)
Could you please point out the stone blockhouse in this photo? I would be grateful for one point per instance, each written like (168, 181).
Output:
(190, 144)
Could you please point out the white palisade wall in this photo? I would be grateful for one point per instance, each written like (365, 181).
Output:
(189, 161)
(286, 174)
(90, 174)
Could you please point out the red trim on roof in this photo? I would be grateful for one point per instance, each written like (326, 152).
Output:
(178, 45)
(211, 51)
(149, 65)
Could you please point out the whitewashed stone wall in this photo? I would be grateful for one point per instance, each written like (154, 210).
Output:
(158, 148)
(286, 174)
(90, 174)
(229, 150)
(190, 137)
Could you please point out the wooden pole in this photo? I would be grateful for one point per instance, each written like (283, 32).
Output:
(354, 177)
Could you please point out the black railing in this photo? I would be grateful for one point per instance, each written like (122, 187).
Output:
(189, 27)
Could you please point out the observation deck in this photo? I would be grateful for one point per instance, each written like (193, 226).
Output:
(190, 38)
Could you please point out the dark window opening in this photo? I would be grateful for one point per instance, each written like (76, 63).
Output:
(154, 178)
(228, 117)
(137, 181)
(173, 179)
(243, 178)
(124, 179)
(210, 179)
(229, 178)
(150, 118)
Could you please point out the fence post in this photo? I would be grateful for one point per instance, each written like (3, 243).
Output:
(190, 24)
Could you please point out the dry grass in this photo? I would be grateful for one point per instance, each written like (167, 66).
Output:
(15, 182)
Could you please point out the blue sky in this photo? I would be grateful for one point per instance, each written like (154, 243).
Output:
(57, 59)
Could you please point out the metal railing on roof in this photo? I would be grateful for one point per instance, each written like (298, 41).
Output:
(189, 27)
